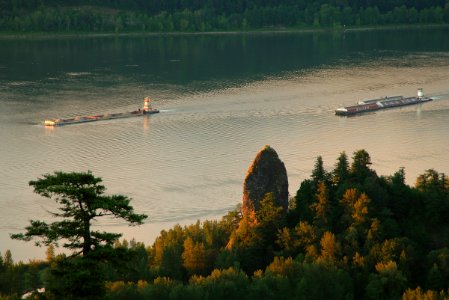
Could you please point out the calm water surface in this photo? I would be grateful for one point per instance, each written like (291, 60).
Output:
(222, 98)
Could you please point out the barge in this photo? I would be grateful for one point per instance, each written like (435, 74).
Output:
(146, 110)
(382, 103)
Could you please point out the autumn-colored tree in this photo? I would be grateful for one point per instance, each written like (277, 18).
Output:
(50, 253)
(330, 249)
(306, 236)
(165, 254)
(323, 209)
(194, 257)
(431, 180)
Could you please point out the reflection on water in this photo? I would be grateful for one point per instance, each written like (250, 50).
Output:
(222, 98)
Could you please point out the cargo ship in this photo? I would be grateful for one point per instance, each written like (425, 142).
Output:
(146, 110)
(382, 103)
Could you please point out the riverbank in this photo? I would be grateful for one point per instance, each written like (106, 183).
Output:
(267, 30)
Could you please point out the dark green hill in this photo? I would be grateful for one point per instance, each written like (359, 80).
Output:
(212, 15)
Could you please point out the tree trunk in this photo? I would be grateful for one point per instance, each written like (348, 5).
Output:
(87, 243)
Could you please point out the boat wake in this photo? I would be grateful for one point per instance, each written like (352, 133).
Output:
(441, 97)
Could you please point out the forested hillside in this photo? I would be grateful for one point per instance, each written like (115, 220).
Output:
(347, 234)
(212, 15)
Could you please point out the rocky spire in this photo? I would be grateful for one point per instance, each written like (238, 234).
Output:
(267, 174)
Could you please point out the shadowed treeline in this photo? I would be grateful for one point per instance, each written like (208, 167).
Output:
(211, 15)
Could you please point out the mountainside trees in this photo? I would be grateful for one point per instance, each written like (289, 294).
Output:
(348, 234)
(211, 15)
(372, 233)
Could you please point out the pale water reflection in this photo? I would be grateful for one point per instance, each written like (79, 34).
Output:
(222, 98)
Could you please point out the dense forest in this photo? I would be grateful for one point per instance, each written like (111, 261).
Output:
(348, 233)
(212, 15)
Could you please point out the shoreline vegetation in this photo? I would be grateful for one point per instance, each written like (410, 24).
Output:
(348, 233)
(81, 17)
(279, 30)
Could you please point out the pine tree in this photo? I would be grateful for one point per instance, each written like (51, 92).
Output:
(82, 200)
(341, 171)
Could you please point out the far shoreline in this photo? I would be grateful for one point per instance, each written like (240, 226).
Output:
(267, 30)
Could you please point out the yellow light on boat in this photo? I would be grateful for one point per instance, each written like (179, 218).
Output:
(146, 104)
(49, 123)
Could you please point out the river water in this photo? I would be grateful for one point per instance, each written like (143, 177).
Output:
(222, 98)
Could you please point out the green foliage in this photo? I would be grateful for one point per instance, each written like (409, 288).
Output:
(210, 15)
(247, 245)
(82, 200)
(222, 284)
(436, 189)
(270, 217)
(75, 278)
(360, 167)
(341, 171)
(254, 241)
(324, 282)
(128, 261)
(438, 269)
(318, 172)
(304, 198)
(182, 252)
(194, 257)
(166, 253)
(18, 278)
(387, 283)
(352, 235)
(269, 286)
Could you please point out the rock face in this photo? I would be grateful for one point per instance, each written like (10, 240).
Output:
(267, 174)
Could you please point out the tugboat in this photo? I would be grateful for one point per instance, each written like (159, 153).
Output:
(146, 110)
(382, 103)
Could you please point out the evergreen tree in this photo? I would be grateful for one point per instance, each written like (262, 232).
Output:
(341, 171)
(360, 167)
(82, 200)
(304, 199)
(8, 262)
(318, 172)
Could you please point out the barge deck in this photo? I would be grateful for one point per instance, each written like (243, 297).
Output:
(146, 110)
(382, 103)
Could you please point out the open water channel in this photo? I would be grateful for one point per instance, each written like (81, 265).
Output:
(222, 98)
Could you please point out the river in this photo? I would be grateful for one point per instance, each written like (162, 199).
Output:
(222, 98)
